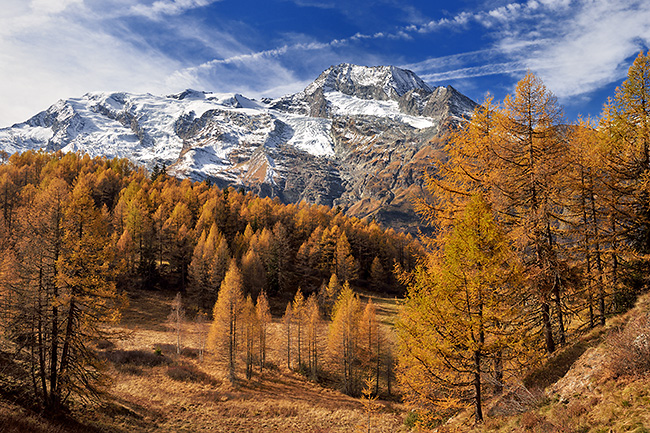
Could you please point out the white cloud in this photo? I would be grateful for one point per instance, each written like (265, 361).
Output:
(46, 57)
(52, 6)
(591, 47)
(52, 49)
(160, 8)
(575, 46)
(475, 71)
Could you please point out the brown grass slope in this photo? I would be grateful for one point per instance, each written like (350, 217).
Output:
(599, 384)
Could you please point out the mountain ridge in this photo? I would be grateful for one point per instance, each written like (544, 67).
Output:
(336, 142)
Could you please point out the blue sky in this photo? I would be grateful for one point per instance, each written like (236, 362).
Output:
(53, 49)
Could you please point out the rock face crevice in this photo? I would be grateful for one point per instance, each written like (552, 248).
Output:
(357, 137)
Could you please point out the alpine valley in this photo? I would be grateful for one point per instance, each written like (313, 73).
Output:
(357, 137)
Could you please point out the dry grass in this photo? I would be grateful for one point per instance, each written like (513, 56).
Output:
(607, 389)
(154, 390)
(203, 400)
(628, 347)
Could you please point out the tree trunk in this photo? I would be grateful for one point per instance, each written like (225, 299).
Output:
(478, 410)
(548, 330)
(558, 309)
(498, 373)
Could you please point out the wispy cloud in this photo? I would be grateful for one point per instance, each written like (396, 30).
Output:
(47, 55)
(575, 46)
(161, 8)
(590, 48)
(51, 49)
(52, 6)
(475, 71)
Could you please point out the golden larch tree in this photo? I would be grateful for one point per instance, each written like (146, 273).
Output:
(462, 312)
(222, 339)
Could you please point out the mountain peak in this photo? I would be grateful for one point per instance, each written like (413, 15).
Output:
(368, 82)
(188, 94)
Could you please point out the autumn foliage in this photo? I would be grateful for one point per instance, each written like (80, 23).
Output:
(76, 231)
(542, 230)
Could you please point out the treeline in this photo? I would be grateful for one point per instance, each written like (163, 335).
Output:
(543, 229)
(75, 231)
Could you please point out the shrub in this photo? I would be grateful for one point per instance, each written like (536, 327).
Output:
(530, 420)
(138, 358)
(411, 419)
(576, 409)
(104, 344)
(629, 348)
(190, 373)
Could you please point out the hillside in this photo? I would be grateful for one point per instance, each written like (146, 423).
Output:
(600, 383)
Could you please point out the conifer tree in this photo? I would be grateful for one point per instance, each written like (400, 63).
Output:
(126, 253)
(253, 272)
(298, 308)
(533, 162)
(176, 320)
(250, 323)
(202, 326)
(342, 339)
(328, 295)
(516, 155)
(222, 338)
(287, 319)
(327, 248)
(220, 261)
(589, 215)
(178, 230)
(371, 344)
(461, 312)
(199, 274)
(264, 319)
(61, 289)
(347, 268)
(314, 320)
(281, 263)
(377, 274)
(625, 125)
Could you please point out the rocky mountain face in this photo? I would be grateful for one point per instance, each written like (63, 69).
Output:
(357, 137)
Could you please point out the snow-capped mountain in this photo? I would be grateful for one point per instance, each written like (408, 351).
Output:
(357, 137)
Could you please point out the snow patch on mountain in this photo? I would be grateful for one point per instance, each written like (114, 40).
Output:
(310, 134)
(201, 162)
(24, 137)
(352, 106)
